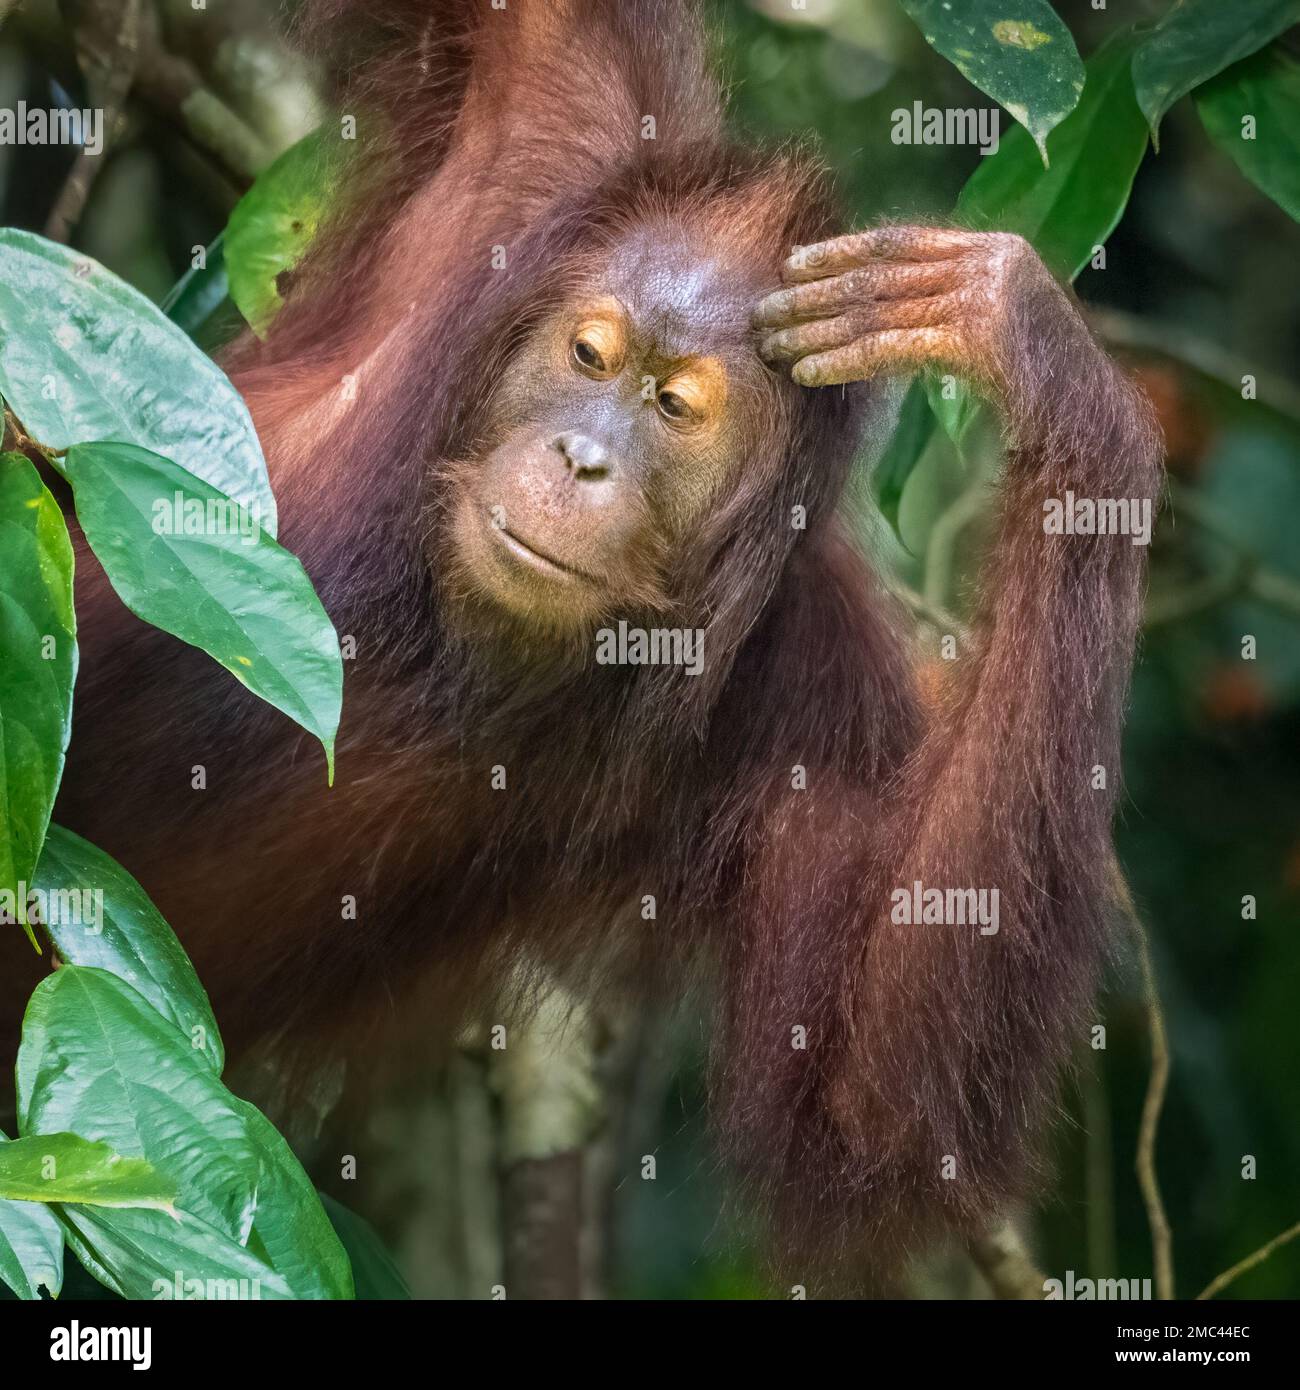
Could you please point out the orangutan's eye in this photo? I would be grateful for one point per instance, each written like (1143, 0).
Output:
(673, 407)
(587, 357)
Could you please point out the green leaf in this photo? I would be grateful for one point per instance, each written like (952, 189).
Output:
(290, 1228)
(957, 413)
(275, 222)
(239, 597)
(142, 1255)
(81, 1172)
(911, 435)
(1068, 209)
(38, 659)
(31, 1247)
(1197, 39)
(373, 1268)
(292, 1250)
(200, 292)
(98, 1060)
(129, 939)
(83, 357)
(1022, 55)
(1252, 112)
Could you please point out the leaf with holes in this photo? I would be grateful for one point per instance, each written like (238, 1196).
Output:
(276, 221)
(1022, 55)
(1068, 209)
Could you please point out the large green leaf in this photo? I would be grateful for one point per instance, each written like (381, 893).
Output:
(275, 222)
(130, 941)
(31, 1247)
(66, 1168)
(1021, 54)
(38, 666)
(290, 1228)
(239, 597)
(1252, 111)
(1068, 209)
(84, 357)
(374, 1271)
(1196, 39)
(141, 1254)
(97, 1059)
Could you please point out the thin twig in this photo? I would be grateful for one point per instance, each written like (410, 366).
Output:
(1246, 577)
(1209, 359)
(944, 534)
(1162, 1237)
(15, 437)
(1221, 1282)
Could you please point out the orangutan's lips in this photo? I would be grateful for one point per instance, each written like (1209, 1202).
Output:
(536, 559)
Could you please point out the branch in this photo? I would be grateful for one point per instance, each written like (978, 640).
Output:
(1175, 344)
(106, 35)
(550, 1108)
(939, 553)
(1221, 1282)
(173, 85)
(1162, 1239)
(1243, 577)
(240, 53)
